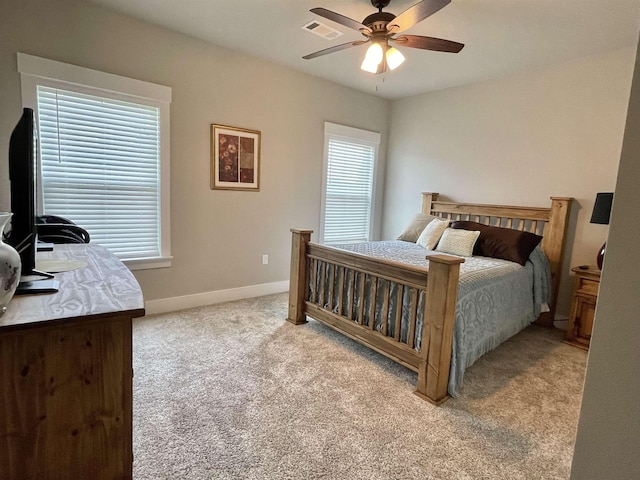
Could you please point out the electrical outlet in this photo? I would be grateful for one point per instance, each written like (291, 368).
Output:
(265, 259)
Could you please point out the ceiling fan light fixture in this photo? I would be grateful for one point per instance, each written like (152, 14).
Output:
(373, 58)
(394, 58)
(374, 53)
(369, 66)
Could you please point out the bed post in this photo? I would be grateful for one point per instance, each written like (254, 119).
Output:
(298, 278)
(437, 330)
(427, 200)
(553, 245)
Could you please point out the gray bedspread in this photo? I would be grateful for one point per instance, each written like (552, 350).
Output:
(496, 299)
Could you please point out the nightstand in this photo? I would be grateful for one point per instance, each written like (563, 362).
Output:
(583, 306)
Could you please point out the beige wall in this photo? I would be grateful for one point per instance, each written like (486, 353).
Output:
(556, 131)
(608, 439)
(218, 237)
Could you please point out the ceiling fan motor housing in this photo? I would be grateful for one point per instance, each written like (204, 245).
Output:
(378, 21)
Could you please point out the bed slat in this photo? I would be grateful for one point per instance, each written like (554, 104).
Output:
(323, 273)
(352, 282)
(332, 281)
(384, 314)
(361, 297)
(413, 311)
(313, 295)
(372, 306)
(341, 275)
(398, 319)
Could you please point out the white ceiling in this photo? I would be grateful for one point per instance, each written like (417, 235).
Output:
(500, 36)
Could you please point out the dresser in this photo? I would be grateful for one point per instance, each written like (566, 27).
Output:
(583, 306)
(66, 372)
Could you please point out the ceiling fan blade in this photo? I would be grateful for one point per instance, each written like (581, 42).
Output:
(428, 43)
(341, 19)
(415, 14)
(336, 48)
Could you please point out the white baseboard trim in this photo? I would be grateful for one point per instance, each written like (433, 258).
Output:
(164, 305)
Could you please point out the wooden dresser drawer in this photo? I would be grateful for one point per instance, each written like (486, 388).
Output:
(588, 287)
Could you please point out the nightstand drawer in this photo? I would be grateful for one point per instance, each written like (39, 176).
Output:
(588, 287)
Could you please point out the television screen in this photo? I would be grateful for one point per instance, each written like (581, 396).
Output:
(22, 174)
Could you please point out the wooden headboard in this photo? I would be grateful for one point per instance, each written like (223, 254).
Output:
(551, 223)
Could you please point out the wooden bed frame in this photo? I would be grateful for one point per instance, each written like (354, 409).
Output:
(439, 282)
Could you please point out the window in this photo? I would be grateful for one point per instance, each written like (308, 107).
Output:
(349, 175)
(103, 156)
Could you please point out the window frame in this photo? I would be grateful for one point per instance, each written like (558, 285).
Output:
(358, 136)
(36, 71)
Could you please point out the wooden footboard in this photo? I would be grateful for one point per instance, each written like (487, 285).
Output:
(333, 300)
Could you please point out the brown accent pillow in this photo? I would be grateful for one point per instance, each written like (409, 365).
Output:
(499, 242)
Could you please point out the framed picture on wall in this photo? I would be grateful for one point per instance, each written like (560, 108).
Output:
(235, 158)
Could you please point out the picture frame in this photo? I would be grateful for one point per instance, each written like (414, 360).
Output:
(235, 158)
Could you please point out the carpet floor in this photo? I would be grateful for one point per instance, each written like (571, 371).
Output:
(233, 391)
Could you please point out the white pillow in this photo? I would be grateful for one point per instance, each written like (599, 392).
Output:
(458, 242)
(432, 233)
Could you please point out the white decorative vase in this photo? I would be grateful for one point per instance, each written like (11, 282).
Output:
(9, 267)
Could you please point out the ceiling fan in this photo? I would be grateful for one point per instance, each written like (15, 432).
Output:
(380, 28)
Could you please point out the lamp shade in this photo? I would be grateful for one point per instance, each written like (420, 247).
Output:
(602, 208)
(373, 59)
(394, 58)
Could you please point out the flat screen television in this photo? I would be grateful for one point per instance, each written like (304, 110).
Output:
(23, 147)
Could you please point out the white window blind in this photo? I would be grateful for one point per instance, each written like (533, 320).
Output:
(349, 179)
(100, 161)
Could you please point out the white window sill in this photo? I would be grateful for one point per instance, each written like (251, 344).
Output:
(148, 263)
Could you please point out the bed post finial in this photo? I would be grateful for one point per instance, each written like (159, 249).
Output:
(298, 280)
(427, 200)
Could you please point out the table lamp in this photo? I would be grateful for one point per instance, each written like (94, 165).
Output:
(601, 214)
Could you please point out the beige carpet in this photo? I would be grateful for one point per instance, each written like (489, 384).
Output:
(233, 391)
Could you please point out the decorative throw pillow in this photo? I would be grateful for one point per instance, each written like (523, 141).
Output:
(432, 233)
(500, 242)
(458, 242)
(415, 228)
